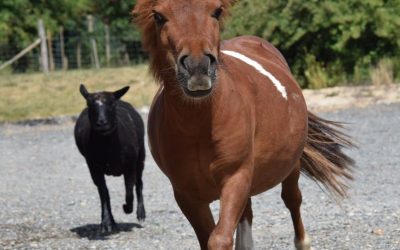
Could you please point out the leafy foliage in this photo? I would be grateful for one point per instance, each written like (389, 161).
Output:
(326, 42)
(341, 35)
(18, 18)
(117, 14)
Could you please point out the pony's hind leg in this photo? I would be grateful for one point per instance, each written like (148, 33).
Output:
(291, 195)
(244, 237)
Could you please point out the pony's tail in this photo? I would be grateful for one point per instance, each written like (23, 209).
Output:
(323, 159)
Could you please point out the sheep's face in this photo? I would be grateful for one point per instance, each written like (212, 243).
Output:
(102, 109)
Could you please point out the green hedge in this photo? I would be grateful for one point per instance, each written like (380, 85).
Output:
(326, 42)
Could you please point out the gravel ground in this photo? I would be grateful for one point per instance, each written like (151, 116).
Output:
(48, 201)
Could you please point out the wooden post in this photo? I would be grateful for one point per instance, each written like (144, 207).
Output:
(50, 46)
(79, 54)
(20, 54)
(93, 41)
(64, 60)
(43, 47)
(126, 56)
(108, 47)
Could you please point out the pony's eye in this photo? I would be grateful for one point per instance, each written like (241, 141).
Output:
(217, 13)
(160, 19)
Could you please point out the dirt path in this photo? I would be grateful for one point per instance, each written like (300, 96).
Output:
(331, 99)
(48, 201)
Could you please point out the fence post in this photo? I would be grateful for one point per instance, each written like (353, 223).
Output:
(93, 41)
(64, 59)
(126, 55)
(79, 54)
(50, 47)
(43, 47)
(108, 47)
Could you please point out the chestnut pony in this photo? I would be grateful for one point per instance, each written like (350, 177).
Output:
(229, 121)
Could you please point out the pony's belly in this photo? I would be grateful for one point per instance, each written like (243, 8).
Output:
(271, 168)
(268, 176)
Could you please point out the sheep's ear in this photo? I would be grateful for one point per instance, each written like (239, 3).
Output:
(83, 91)
(119, 93)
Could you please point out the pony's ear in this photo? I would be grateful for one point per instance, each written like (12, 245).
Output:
(83, 91)
(119, 93)
(228, 3)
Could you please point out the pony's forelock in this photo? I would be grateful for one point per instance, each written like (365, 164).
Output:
(143, 17)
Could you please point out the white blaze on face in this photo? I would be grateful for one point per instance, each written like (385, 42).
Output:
(260, 69)
(100, 103)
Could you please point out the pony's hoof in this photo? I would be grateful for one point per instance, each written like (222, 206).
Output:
(303, 244)
(127, 208)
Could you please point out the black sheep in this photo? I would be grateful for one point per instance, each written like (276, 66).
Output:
(109, 133)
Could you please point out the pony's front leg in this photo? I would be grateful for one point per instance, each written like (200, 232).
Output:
(233, 200)
(199, 216)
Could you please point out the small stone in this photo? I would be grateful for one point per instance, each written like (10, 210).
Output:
(378, 231)
(33, 244)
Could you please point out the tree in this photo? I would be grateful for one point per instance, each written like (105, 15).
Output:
(335, 35)
(117, 14)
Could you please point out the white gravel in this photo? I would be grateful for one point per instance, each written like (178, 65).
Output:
(48, 201)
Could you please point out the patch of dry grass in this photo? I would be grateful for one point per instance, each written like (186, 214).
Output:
(29, 96)
(383, 73)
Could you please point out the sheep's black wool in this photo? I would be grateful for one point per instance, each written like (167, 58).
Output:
(109, 133)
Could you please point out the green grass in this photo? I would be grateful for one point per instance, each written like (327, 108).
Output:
(35, 95)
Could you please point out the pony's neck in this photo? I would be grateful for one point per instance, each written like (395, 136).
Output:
(188, 117)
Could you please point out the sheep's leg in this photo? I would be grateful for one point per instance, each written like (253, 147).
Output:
(140, 212)
(107, 220)
(129, 182)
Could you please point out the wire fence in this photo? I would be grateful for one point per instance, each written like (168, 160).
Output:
(72, 50)
(28, 63)
(77, 53)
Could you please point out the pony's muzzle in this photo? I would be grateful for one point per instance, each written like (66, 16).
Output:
(196, 75)
(199, 82)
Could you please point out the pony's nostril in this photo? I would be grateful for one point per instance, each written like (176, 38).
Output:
(183, 61)
(212, 58)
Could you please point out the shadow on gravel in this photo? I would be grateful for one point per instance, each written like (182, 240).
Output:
(93, 231)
